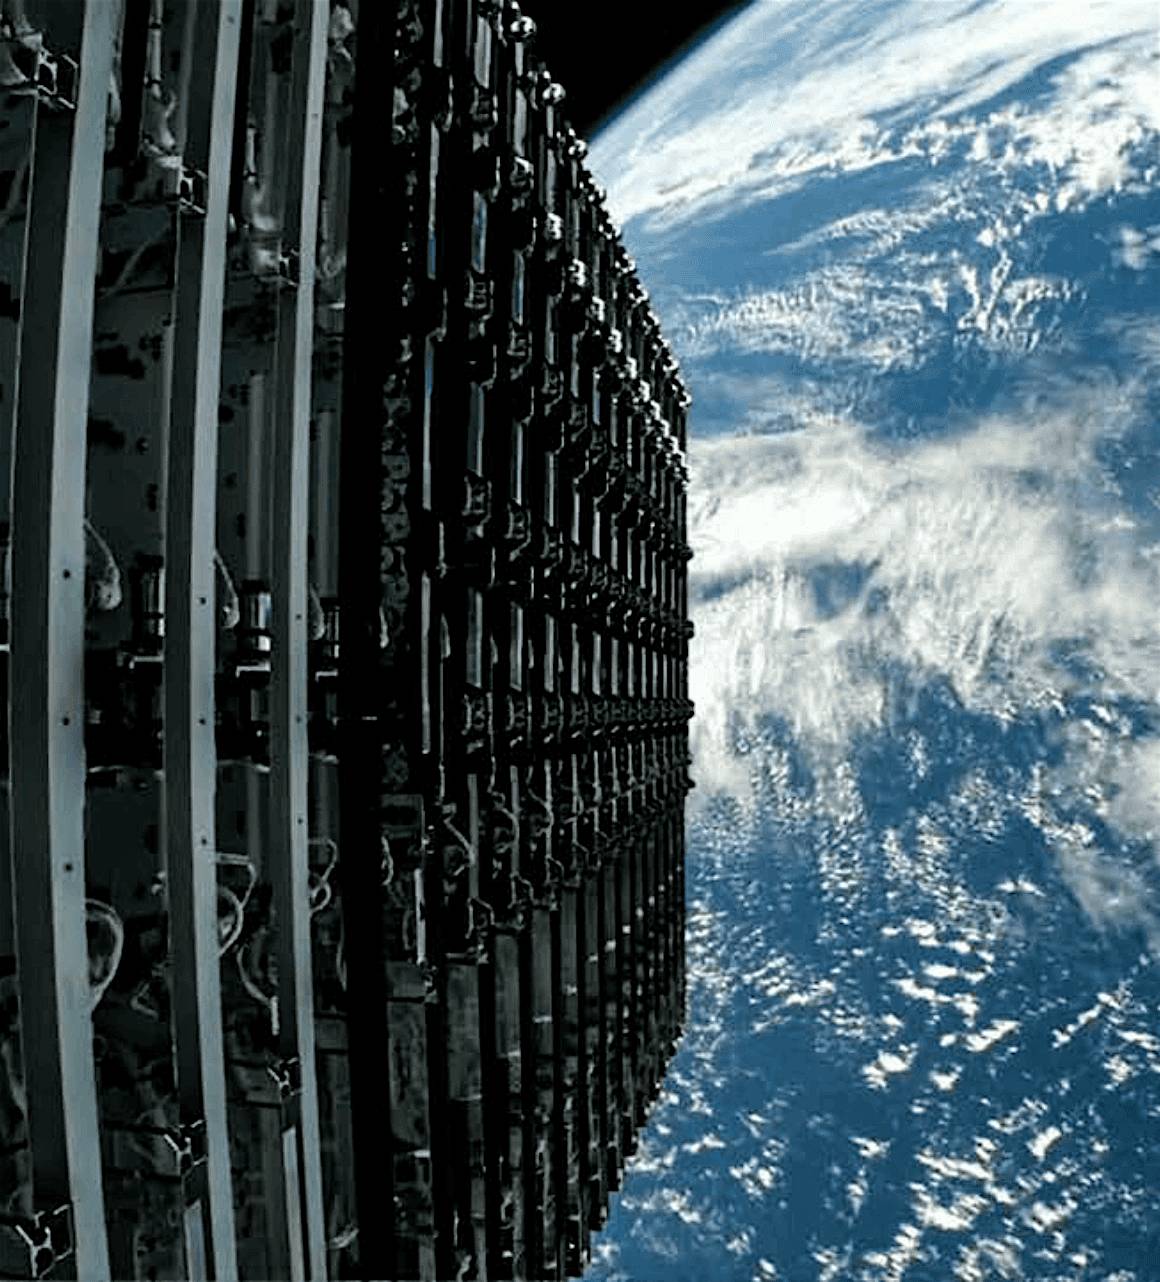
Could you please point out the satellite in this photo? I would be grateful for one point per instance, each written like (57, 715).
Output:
(344, 630)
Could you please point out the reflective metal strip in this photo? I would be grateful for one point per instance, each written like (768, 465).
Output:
(544, 1097)
(190, 761)
(570, 1035)
(628, 1012)
(592, 1049)
(611, 995)
(47, 684)
(196, 1263)
(292, 1185)
(290, 750)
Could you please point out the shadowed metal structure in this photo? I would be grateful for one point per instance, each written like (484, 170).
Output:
(344, 638)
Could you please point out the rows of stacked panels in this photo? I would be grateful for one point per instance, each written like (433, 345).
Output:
(341, 896)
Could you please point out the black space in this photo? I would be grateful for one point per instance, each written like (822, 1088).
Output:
(603, 51)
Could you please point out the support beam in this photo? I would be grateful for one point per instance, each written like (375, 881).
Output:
(189, 662)
(46, 718)
(289, 746)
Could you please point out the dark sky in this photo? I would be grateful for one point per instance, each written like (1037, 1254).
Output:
(602, 51)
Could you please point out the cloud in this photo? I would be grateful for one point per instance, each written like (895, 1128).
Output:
(1137, 247)
(836, 314)
(838, 576)
(789, 90)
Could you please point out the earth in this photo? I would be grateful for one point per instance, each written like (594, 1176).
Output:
(908, 253)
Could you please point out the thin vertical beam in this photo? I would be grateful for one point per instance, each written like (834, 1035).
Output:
(289, 756)
(190, 761)
(47, 676)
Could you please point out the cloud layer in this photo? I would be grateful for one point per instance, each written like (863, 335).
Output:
(851, 88)
(826, 560)
(909, 252)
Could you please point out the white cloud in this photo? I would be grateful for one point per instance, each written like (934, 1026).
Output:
(927, 650)
(836, 577)
(853, 312)
(843, 313)
(1137, 247)
(1134, 776)
(792, 88)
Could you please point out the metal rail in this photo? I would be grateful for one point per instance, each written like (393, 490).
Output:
(190, 629)
(289, 742)
(63, 1215)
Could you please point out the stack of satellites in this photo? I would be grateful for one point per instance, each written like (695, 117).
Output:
(343, 631)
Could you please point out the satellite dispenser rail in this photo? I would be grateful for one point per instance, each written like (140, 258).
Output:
(343, 634)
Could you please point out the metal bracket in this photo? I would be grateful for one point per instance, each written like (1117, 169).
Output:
(28, 68)
(191, 193)
(32, 1246)
(182, 1147)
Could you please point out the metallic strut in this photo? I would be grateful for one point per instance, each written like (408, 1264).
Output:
(189, 752)
(46, 725)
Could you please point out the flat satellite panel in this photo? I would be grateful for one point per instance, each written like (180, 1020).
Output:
(344, 645)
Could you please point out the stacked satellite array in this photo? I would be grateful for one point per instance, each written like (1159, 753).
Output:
(344, 638)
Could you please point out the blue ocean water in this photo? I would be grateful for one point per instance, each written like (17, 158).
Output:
(908, 255)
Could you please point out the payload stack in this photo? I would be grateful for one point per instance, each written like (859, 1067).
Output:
(343, 632)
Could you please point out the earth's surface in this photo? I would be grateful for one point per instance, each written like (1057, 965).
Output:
(909, 255)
